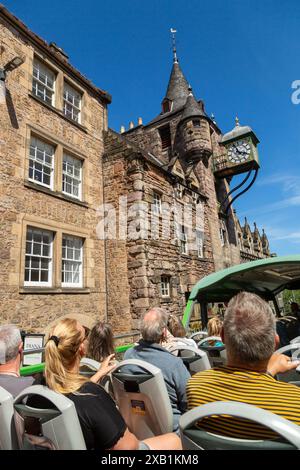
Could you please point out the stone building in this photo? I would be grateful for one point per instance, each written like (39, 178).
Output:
(174, 161)
(62, 170)
(51, 143)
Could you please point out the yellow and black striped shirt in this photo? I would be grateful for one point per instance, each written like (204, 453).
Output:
(254, 388)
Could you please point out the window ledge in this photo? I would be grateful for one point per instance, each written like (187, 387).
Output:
(166, 300)
(57, 194)
(58, 112)
(54, 290)
(196, 258)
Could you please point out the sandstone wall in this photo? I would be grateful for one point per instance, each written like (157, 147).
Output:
(23, 203)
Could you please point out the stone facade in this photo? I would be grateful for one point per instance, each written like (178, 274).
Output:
(63, 172)
(171, 159)
(26, 203)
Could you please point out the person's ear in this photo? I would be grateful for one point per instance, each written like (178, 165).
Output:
(21, 347)
(82, 350)
(164, 334)
(277, 341)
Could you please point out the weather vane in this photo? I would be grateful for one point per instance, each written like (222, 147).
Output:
(173, 32)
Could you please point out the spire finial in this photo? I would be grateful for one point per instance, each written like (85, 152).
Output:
(237, 122)
(173, 32)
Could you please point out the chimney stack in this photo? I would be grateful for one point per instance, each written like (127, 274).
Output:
(131, 125)
(140, 121)
(122, 130)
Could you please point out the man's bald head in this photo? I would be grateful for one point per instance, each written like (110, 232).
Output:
(153, 324)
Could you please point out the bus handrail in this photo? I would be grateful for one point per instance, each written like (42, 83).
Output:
(38, 368)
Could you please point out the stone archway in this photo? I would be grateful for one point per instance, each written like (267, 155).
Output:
(85, 320)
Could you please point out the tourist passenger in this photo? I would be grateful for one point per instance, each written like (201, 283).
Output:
(250, 337)
(176, 335)
(11, 349)
(102, 424)
(154, 331)
(100, 342)
(214, 328)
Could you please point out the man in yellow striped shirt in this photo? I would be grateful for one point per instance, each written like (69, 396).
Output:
(250, 337)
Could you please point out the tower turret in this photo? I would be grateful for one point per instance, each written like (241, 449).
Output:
(193, 132)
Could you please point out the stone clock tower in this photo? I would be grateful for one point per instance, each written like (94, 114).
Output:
(179, 158)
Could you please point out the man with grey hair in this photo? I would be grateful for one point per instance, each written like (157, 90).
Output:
(11, 348)
(153, 329)
(250, 338)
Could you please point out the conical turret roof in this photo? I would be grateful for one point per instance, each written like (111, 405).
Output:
(178, 87)
(192, 107)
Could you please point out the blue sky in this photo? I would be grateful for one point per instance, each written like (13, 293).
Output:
(240, 57)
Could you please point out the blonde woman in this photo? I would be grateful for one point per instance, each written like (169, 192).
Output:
(102, 425)
(214, 328)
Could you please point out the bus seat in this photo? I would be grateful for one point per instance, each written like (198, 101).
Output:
(216, 354)
(142, 398)
(194, 359)
(56, 427)
(194, 438)
(198, 335)
(7, 431)
(292, 350)
(295, 340)
(88, 366)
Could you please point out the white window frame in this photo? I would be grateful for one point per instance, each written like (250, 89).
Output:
(39, 69)
(33, 158)
(222, 237)
(72, 260)
(200, 244)
(68, 159)
(69, 94)
(183, 241)
(165, 286)
(179, 191)
(157, 203)
(32, 255)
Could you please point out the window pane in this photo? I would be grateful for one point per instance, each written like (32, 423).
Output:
(72, 102)
(41, 162)
(44, 263)
(44, 276)
(34, 276)
(37, 266)
(71, 175)
(37, 249)
(72, 264)
(37, 237)
(43, 81)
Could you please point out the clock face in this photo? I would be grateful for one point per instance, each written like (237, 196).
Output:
(239, 151)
